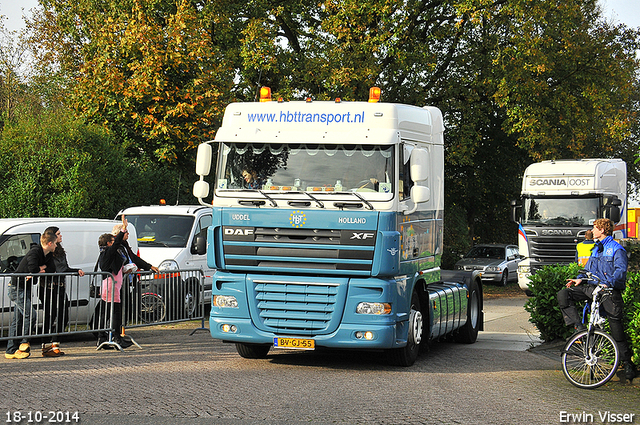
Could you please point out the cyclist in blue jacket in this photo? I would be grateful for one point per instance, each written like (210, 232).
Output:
(608, 261)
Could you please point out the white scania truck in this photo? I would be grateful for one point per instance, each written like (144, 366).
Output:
(559, 202)
(327, 229)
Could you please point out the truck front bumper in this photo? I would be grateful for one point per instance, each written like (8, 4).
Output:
(346, 336)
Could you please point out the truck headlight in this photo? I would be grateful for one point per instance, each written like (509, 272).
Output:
(373, 308)
(227, 301)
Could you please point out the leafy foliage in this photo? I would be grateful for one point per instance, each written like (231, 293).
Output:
(633, 252)
(543, 304)
(631, 297)
(57, 166)
(54, 170)
(152, 73)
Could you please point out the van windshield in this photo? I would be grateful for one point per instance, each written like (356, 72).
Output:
(162, 230)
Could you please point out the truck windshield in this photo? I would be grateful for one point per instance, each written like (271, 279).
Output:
(560, 211)
(303, 167)
(162, 230)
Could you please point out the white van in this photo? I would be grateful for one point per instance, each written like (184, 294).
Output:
(172, 238)
(80, 241)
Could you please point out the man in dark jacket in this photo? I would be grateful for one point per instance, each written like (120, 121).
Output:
(39, 259)
(608, 261)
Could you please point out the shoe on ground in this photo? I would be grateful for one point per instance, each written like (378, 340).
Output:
(17, 355)
(25, 347)
(124, 343)
(51, 350)
(630, 371)
(56, 347)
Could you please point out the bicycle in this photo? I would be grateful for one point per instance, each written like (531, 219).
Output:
(591, 357)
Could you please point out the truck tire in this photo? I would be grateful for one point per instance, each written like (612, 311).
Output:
(252, 351)
(407, 355)
(469, 332)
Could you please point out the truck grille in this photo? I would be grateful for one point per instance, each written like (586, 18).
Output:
(552, 250)
(324, 251)
(297, 308)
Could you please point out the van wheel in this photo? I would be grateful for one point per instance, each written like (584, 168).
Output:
(407, 355)
(191, 298)
(252, 351)
(469, 332)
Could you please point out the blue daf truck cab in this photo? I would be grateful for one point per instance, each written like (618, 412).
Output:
(327, 229)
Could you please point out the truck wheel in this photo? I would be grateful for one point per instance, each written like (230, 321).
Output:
(469, 332)
(407, 355)
(252, 351)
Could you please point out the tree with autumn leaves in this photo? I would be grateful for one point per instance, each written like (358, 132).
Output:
(517, 80)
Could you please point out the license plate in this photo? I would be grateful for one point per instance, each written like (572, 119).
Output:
(294, 343)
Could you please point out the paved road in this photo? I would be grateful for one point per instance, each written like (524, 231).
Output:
(193, 379)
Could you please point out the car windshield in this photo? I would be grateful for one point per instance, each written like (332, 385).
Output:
(486, 252)
(303, 167)
(560, 211)
(162, 230)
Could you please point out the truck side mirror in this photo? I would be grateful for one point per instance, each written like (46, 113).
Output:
(203, 159)
(514, 211)
(201, 189)
(612, 209)
(420, 163)
(419, 194)
(613, 214)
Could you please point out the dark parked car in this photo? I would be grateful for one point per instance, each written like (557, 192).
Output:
(497, 262)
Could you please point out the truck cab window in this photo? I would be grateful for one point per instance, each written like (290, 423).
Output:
(405, 184)
(307, 167)
(560, 212)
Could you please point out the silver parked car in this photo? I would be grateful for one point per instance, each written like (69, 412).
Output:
(498, 263)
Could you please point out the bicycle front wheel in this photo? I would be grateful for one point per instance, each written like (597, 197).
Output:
(589, 361)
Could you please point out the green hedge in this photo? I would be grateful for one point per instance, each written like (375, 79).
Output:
(546, 315)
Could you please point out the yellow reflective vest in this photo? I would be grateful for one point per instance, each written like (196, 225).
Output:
(583, 251)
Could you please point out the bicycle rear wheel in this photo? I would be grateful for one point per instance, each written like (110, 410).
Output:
(152, 308)
(590, 362)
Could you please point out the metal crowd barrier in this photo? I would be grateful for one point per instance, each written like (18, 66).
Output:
(55, 309)
(169, 297)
